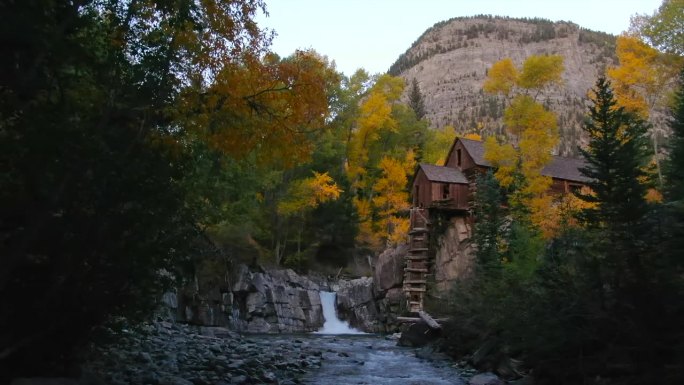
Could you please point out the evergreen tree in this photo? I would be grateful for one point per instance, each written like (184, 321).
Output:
(490, 218)
(416, 100)
(675, 164)
(614, 157)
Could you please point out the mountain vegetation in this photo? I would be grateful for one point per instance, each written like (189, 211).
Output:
(599, 299)
(154, 144)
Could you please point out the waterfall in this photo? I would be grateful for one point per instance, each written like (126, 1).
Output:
(333, 325)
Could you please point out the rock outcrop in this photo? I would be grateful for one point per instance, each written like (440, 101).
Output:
(274, 301)
(389, 268)
(357, 304)
(454, 254)
(450, 62)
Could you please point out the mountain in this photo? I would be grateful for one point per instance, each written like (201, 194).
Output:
(450, 62)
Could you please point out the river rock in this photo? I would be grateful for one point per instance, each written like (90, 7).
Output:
(185, 355)
(418, 334)
(486, 379)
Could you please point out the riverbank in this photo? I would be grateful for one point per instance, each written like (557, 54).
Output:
(176, 354)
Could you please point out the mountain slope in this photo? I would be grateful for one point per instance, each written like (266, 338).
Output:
(450, 62)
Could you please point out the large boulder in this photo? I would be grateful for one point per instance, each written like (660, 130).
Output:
(389, 268)
(418, 334)
(356, 303)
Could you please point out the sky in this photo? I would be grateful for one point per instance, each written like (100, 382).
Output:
(371, 34)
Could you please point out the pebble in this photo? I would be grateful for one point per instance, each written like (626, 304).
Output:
(175, 354)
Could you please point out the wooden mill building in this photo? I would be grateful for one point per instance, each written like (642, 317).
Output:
(450, 188)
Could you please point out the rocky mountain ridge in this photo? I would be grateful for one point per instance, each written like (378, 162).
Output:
(451, 59)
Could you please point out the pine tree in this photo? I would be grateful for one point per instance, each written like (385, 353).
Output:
(490, 218)
(675, 164)
(615, 158)
(416, 100)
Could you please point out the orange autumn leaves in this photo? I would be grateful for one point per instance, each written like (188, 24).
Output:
(268, 108)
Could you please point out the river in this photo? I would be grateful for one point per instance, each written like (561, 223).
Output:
(354, 358)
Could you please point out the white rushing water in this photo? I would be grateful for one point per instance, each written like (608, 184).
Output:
(332, 324)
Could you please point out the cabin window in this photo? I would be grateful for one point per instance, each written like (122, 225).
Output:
(416, 195)
(445, 191)
(458, 157)
(575, 188)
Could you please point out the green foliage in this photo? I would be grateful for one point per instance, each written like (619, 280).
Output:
(416, 101)
(663, 29)
(600, 304)
(92, 219)
(615, 158)
(675, 163)
(488, 228)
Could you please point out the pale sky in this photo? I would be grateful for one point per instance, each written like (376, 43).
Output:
(371, 34)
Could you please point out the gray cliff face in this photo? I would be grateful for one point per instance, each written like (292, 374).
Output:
(454, 255)
(450, 62)
(276, 301)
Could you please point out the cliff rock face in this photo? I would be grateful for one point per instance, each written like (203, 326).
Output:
(455, 253)
(257, 301)
(276, 301)
(451, 59)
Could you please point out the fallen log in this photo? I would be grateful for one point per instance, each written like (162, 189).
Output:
(429, 320)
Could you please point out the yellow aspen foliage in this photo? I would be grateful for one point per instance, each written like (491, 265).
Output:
(654, 196)
(307, 194)
(391, 198)
(503, 157)
(501, 77)
(375, 116)
(533, 133)
(559, 213)
(472, 136)
(641, 83)
(636, 78)
(538, 71)
(437, 144)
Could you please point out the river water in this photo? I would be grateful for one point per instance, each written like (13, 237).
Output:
(354, 358)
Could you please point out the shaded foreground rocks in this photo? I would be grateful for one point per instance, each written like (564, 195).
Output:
(171, 354)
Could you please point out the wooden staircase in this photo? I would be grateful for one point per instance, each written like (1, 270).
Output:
(417, 262)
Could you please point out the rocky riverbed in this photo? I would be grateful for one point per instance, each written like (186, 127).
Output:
(174, 354)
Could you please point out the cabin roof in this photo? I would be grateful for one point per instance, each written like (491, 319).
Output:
(443, 174)
(476, 150)
(565, 168)
(560, 167)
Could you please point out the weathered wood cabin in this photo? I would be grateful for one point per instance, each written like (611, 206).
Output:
(449, 186)
(449, 189)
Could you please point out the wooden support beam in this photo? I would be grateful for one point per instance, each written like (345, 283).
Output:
(415, 270)
(429, 320)
(415, 281)
(416, 257)
(418, 319)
